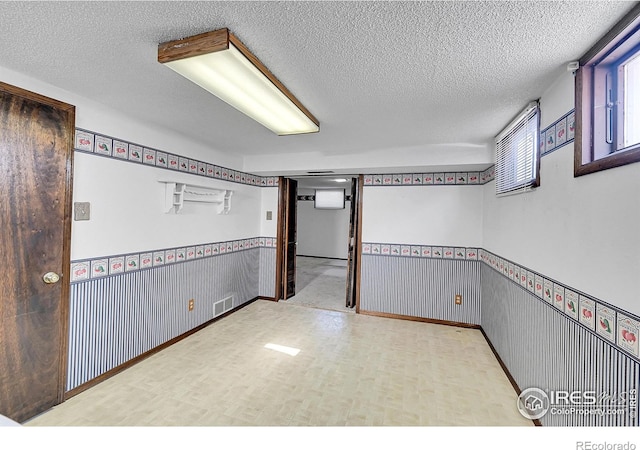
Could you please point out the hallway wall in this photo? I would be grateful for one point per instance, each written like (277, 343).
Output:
(421, 234)
(322, 232)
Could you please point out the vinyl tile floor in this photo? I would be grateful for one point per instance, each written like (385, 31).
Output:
(321, 283)
(279, 364)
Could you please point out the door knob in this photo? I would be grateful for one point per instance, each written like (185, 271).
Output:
(51, 277)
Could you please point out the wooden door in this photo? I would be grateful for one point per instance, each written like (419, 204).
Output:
(290, 237)
(353, 260)
(36, 141)
(286, 239)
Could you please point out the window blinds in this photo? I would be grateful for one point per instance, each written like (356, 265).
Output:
(517, 152)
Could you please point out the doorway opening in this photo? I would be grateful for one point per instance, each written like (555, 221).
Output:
(318, 241)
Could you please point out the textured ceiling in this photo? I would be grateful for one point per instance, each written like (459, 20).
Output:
(378, 75)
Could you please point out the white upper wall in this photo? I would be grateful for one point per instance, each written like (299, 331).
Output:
(128, 210)
(269, 228)
(429, 215)
(323, 232)
(580, 231)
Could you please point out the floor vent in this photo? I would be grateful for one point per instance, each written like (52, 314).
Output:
(222, 306)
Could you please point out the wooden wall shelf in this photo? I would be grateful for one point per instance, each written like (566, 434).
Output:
(177, 193)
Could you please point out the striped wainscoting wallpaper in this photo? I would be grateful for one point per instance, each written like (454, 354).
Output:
(545, 349)
(267, 282)
(421, 287)
(116, 318)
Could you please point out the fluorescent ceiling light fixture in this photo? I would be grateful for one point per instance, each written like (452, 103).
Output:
(283, 349)
(218, 62)
(340, 180)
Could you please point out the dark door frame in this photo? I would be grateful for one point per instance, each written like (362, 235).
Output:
(282, 238)
(357, 263)
(279, 238)
(287, 190)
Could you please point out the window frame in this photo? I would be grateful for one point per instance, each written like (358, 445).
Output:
(588, 155)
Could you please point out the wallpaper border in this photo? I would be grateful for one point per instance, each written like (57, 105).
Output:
(558, 134)
(420, 251)
(432, 178)
(555, 136)
(98, 267)
(99, 144)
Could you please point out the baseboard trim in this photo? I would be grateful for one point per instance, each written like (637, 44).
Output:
(100, 378)
(270, 299)
(512, 380)
(420, 319)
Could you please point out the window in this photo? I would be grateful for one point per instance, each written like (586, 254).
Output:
(329, 199)
(608, 100)
(518, 153)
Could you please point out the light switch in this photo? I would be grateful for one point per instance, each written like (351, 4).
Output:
(269, 215)
(82, 211)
